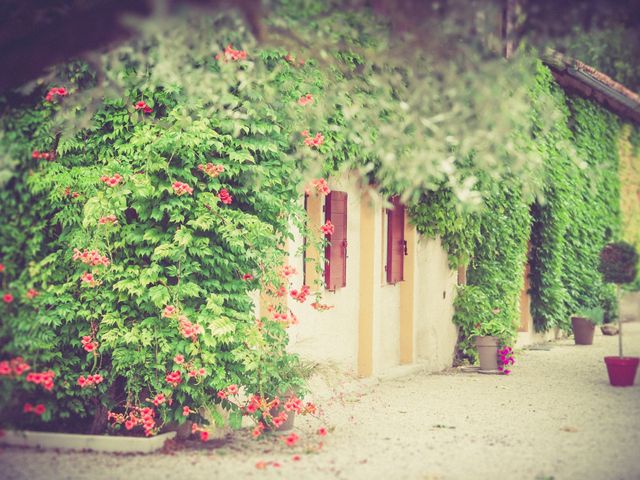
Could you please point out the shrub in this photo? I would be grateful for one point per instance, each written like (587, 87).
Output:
(619, 262)
(131, 242)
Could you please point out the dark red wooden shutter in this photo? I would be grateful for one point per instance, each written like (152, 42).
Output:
(396, 246)
(335, 271)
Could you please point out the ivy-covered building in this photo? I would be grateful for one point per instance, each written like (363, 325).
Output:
(395, 305)
(157, 235)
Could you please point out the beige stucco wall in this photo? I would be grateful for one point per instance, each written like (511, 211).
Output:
(435, 333)
(331, 336)
(386, 345)
(533, 338)
(630, 306)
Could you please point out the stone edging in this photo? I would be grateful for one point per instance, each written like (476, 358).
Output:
(73, 441)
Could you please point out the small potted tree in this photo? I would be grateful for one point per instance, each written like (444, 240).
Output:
(618, 265)
(583, 324)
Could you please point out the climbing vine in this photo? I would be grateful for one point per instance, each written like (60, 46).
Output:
(151, 195)
(142, 211)
(567, 225)
(153, 192)
(629, 148)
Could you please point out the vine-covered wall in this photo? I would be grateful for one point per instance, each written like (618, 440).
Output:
(629, 148)
(178, 169)
(584, 153)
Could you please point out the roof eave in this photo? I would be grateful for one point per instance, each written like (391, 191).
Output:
(580, 78)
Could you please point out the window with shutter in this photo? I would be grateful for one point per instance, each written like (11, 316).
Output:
(335, 210)
(396, 244)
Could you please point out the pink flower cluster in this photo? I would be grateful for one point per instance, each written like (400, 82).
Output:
(258, 430)
(321, 186)
(294, 404)
(89, 279)
(91, 257)
(56, 91)
(247, 277)
(169, 311)
(231, 54)
(141, 105)
(180, 189)
(271, 412)
(310, 141)
(88, 343)
(279, 419)
(32, 293)
(201, 372)
(7, 298)
(506, 359)
(111, 181)
(256, 402)
(328, 228)
(305, 100)
(321, 307)
(174, 378)
(230, 390)
(159, 399)
(14, 366)
(225, 197)
(291, 439)
(38, 409)
(204, 435)
(90, 381)
(43, 378)
(301, 296)
(69, 193)
(288, 271)
(188, 329)
(280, 317)
(211, 169)
(43, 155)
(108, 220)
(137, 416)
(292, 61)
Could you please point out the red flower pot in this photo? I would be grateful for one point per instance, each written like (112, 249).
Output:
(622, 370)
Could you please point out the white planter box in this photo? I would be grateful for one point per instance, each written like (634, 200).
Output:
(74, 441)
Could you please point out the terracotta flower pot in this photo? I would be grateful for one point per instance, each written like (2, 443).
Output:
(487, 353)
(622, 370)
(288, 424)
(583, 330)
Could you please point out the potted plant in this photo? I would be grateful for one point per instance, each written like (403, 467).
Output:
(618, 265)
(276, 390)
(584, 323)
(488, 339)
(288, 382)
(486, 328)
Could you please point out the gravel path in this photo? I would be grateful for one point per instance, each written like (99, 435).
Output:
(555, 417)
